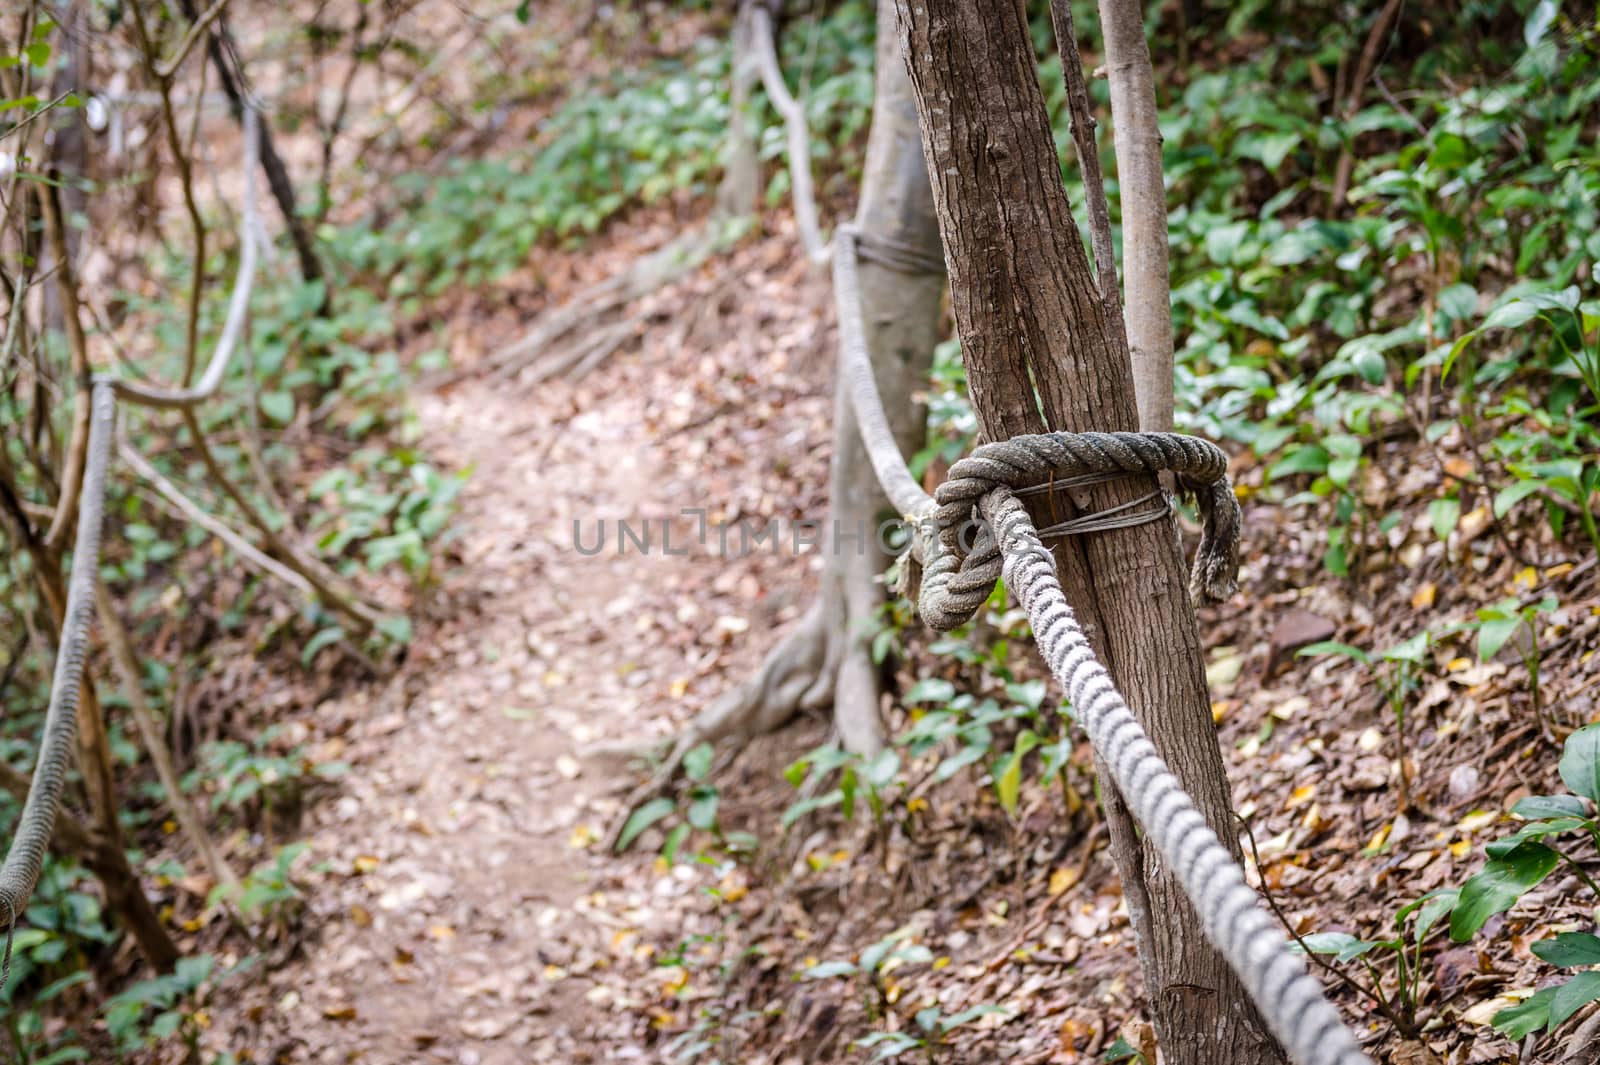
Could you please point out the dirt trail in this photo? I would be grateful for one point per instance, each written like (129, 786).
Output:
(456, 898)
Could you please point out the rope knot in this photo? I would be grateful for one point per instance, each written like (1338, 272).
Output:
(961, 566)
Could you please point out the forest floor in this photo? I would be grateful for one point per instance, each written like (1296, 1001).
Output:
(461, 892)
(461, 906)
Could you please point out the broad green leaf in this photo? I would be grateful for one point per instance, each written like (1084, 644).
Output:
(1570, 950)
(1457, 302)
(1535, 807)
(279, 406)
(1444, 513)
(931, 690)
(1498, 886)
(1511, 315)
(956, 1020)
(643, 818)
(1572, 996)
(1008, 782)
(674, 842)
(1512, 494)
(1533, 830)
(1342, 945)
(1029, 693)
(1493, 634)
(1580, 762)
(1334, 647)
(1413, 650)
(697, 763)
(876, 954)
(1526, 1017)
(702, 812)
(799, 809)
(882, 769)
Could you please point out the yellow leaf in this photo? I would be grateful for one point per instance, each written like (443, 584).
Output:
(1423, 597)
(917, 805)
(941, 962)
(554, 974)
(1062, 880)
(1527, 577)
(442, 932)
(1475, 820)
(552, 679)
(1300, 795)
(360, 916)
(583, 837)
(1559, 570)
(1456, 665)
(1380, 837)
(169, 826)
(678, 687)
(364, 863)
(1460, 847)
(1219, 710)
(340, 1013)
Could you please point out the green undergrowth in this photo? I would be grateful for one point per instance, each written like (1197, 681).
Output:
(621, 140)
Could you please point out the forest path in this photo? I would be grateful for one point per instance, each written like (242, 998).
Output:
(450, 938)
(460, 906)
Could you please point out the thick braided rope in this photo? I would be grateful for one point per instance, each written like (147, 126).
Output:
(855, 364)
(954, 586)
(25, 859)
(1290, 998)
(1026, 461)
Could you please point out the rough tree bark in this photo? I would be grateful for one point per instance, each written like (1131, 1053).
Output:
(1137, 136)
(826, 659)
(1027, 309)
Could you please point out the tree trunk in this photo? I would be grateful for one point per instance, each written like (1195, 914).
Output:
(827, 657)
(219, 47)
(1143, 193)
(1027, 308)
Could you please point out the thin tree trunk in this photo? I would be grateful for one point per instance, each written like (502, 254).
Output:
(219, 46)
(1137, 135)
(1027, 308)
(827, 658)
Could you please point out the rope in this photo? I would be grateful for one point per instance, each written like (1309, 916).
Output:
(25, 859)
(957, 579)
(794, 122)
(1291, 1000)
(1025, 461)
(901, 255)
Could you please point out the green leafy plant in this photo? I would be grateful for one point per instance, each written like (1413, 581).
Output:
(1552, 826)
(1398, 670)
(1413, 924)
(1501, 623)
(931, 1031)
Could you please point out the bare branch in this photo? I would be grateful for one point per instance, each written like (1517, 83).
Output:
(197, 29)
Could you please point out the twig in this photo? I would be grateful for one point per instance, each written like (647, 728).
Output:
(197, 29)
(1083, 127)
(1378, 999)
(193, 511)
(128, 672)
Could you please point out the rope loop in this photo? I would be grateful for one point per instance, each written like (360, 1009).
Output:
(1039, 462)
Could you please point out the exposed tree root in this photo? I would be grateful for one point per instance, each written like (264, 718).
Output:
(817, 665)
